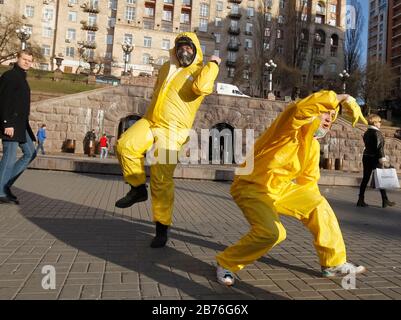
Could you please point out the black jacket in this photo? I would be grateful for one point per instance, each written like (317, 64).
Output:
(374, 144)
(15, 100)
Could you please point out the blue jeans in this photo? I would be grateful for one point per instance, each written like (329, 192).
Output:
(10, 168)
(103, 152)
(40, 146)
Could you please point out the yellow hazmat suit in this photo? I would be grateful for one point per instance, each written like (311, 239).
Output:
(285, 181)
(178, 93)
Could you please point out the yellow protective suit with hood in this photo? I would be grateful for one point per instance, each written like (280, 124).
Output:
(285, 181)
(178, 94)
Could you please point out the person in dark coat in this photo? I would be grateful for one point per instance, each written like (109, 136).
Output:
(373, 157)
(15, 131)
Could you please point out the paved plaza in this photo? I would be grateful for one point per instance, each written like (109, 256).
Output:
(68, 221)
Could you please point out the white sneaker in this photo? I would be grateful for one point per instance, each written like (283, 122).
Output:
(224, 276)
(342, 269)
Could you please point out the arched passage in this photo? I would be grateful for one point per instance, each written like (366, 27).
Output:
(126, 122)
(221, 144)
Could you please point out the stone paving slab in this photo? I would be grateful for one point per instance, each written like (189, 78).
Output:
(68, 221)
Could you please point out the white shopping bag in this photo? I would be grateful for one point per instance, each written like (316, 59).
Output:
(386, 178)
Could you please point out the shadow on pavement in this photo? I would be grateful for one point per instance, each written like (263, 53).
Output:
(126, 243)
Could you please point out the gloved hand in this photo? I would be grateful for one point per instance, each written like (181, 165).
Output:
(351, 104)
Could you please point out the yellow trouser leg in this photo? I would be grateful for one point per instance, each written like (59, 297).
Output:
(266, 232)
(328, 240)
(131, 148)
(162, 189)
(305, 203)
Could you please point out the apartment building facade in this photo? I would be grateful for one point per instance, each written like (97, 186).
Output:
(81, 30)
(394, 43)
(377, 35)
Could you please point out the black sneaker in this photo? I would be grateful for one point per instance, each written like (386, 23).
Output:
(9, 194)
(136, 194)
(388, 203)
(161, 236)
(7, 200)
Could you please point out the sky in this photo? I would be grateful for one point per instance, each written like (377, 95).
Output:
(365, 7)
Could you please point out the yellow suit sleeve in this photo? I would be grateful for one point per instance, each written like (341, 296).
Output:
(204, 83)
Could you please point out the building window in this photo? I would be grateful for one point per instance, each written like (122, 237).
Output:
(166, 44)
(304, 17)
(48, 14)
(204, 10)
(250, 12)
(268, 17)
(47, 32)
(111, 22)
(70, 52)
(44, 66)
(131, 1)
(248, 28)
(112, 4)
(231, 72)
(71, 34)
(232, 56)
(246, 74)
(332, 67)
(203, 25)
(248, 43)
(147, 42)
(29, 11)
(280, 19)
(280, 49)
(319, 20)
(333, 8)
(91, 37)
(216, 52)
(185, 17)
(218, 22)
(109, 39)
(247, 59)
(72, 1)
(217, 37)
(72, 16)
(46, 50)
(186, 2)
(167, 15)
(267, 32)
(320, 8)
(280, 34)
(149, 12)
(266, 46)
(146, 58)
(92, 19)
(129, 13)
(128, 38)
(282, 4)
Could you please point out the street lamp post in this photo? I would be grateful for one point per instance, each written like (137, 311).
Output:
(23, 34)
(270, 66)
(127, 48)
(344, 77)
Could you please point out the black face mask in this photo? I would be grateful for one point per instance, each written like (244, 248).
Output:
(184, 57)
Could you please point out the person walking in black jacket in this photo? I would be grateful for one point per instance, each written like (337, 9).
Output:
(15, 131)
(373, 157)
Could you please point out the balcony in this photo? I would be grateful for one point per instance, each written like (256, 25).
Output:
(235, 15)
(232, 46)
(234, 31)
(235, 1)
(88, 44)
(231, 63)
(89, 26)
(248, 32)
(90, 8)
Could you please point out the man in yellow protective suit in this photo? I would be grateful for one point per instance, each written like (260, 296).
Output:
(182, 84)
(285, 181)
